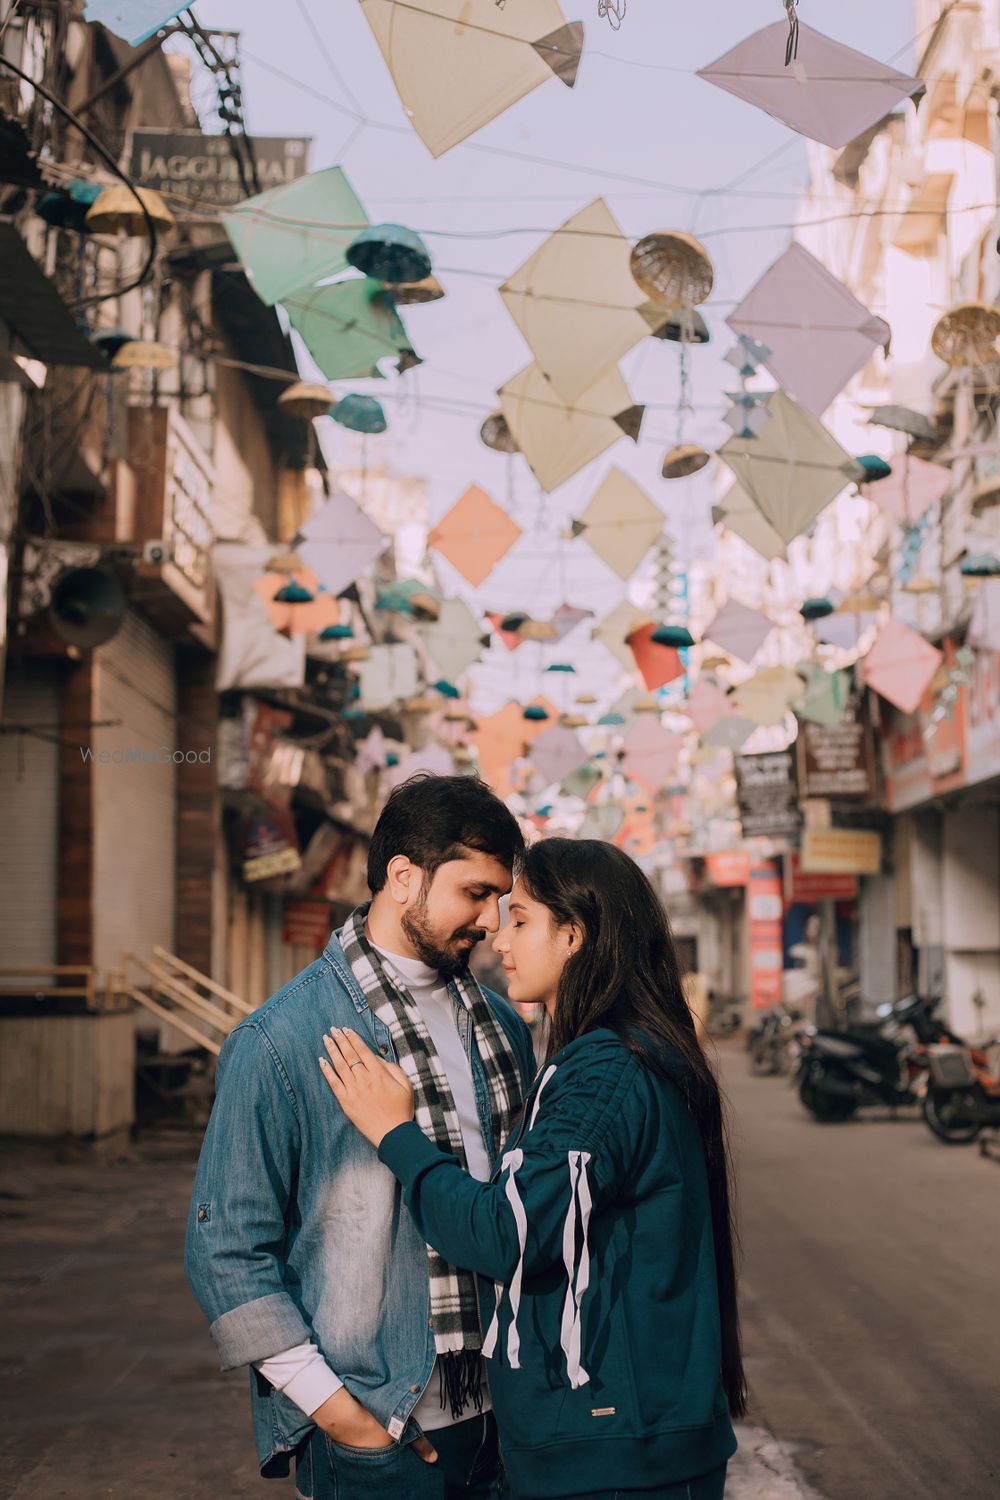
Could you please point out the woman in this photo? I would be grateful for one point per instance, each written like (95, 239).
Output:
(614, 1345)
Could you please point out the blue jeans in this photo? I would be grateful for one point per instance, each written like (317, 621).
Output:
(704, 1487)
(467, 1468)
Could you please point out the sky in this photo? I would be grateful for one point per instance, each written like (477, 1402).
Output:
(666, 150)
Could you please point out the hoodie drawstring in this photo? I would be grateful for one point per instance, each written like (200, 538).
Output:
(577, 1272)
(511, 1162)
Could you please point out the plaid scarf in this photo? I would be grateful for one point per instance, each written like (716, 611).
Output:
(454, 1303)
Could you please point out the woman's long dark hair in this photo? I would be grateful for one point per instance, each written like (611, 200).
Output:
(626, 977)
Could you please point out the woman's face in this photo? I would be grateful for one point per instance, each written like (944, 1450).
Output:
(533, 950)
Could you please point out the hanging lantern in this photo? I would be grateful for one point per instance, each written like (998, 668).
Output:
(646, 704)
(496, 434)
(456, 715)
(390, 253)
(354, 653)
(110, 340)
(446, 689)
(574, 721)
(816, 609)
(980, 565)
(337, 633)
(676, 636)
(586, 698)
(904, 419)
(688, 327)
(966, 335)
(535, 713)
(673, 269)
(305, 401)
(137, 354)
(561, 666)
(875, 467)
(284, 562)
(420, 705)
(685, 459)
(920, 584)
(512, 623)
(413, 293)
(607, 720)
(408, 596)
(115, 208)
(67, 208)
(359, 414)
(293, 592)
(538, 630)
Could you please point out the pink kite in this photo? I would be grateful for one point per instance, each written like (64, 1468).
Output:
(816, 330)
(474, 535)
(900, 665)
(829, 92)
(912, 486)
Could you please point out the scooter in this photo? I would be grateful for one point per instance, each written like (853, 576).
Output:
(962, 1098)
(839, 1072)
(771, 1041)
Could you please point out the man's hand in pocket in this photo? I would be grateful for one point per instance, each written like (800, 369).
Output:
(346, 1421)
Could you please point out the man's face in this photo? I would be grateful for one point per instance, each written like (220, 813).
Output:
(450, 914)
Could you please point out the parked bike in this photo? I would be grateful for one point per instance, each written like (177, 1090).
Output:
(880, 1062)
(962, 1097)
(771, 1042)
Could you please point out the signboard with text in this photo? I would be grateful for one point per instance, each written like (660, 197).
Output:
(198, 170)
(767, 794)
(834, 760)
(841, 851)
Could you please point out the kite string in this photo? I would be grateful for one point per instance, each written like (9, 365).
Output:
(612, 11)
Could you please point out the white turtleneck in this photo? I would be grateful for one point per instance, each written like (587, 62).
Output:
(302, 1373)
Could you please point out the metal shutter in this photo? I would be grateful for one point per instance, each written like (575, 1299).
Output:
(29, 814)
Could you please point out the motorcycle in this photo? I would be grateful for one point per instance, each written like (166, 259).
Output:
(962, 1097)
(869, 1063)
(770, 1043)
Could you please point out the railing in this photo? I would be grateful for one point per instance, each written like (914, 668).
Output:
(55, 982)
(182, 997)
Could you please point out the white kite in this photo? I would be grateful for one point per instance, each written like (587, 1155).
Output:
(339, 542)
(457, 64)
(621, 523)
(559, 438)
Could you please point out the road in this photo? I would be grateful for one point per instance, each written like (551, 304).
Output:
(870, 1309)
(871, 1297)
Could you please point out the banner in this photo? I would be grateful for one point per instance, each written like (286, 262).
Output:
(765, 910)
(835, 760)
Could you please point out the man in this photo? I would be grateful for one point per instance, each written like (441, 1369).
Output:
(364, 1343)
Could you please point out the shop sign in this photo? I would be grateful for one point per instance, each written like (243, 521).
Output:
(201, 170)
(728, 867)
(306, 924)
(765, 909)
(982, 718)
(806, 889)
(841, 851)
(271, 847)
(834, 760)
(767, 794)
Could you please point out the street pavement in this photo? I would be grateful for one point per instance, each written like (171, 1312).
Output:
(871, 1300)
(870, 1303)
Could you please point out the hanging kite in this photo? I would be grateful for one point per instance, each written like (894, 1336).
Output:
(556, 754)
(135, 20)
(738, 513)
(560, 438)
(828, 91)
(347, 326)
(912, 486)
(900, 665)
(576, 302)
(620, 524)
(793, 469)
(651, 753)
(474, 535)
(816, 331)
(657, 664)
(616, 627)
(339, 542)
(739, 630)
(457, 64)
(295, 235)
(388, 676)
(767, 696)
(456, 638)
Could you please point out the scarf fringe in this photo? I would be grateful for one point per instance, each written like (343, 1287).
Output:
(460, 1381)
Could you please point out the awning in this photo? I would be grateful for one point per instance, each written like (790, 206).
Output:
(32, 306)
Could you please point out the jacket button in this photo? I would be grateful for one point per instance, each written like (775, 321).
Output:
(202, 1214)
(430, 1322)
(415, 1389)
(383, 1050)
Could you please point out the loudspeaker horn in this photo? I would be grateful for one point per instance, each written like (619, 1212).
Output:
(88, 607)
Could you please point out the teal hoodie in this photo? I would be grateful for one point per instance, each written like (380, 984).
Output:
(595, 1235)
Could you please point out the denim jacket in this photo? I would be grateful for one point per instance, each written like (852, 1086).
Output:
(297, 1230)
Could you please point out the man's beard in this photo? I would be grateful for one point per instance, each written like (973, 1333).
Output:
(429, 948)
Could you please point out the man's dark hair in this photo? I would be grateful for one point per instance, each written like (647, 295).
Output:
(433, 819)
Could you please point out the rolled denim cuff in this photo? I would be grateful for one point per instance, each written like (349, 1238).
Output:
(269, 1325)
